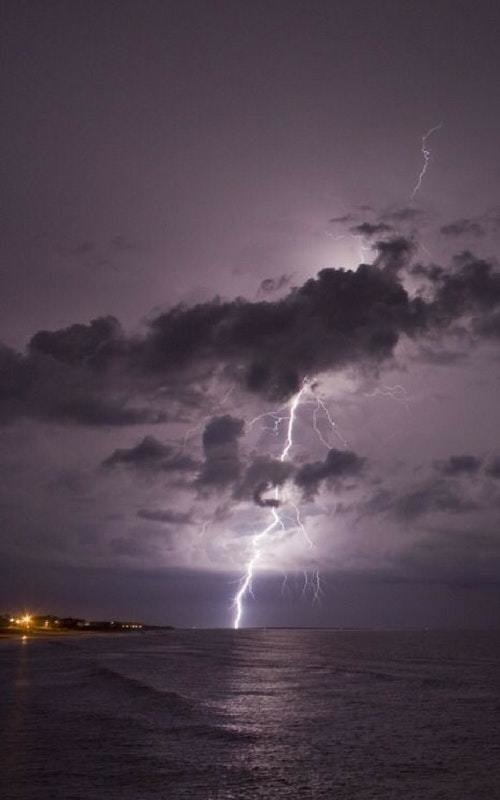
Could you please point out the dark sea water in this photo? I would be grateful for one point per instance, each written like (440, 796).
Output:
(217, 715)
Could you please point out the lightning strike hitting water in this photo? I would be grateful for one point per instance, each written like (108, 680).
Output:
(246, 583)
(289, 414)
(427, 156)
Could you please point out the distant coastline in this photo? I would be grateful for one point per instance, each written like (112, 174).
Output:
(26, 625)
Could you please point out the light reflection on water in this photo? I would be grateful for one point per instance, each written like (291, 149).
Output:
(251, 714)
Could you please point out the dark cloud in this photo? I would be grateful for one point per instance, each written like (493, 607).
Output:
(371, 229)
(394, 254)
(271, 285)
(337, 465)
(41, 387)
(150, 454)
(459, 465)
(261, 476)
(432, 272)
(493, 468)
(90, 345)
(95, 411)
(473, 285)
(88, 373)
(488, 325)
(265, 502)
(462, 227)
(222, 431)
(339, 318)
(165, 516)
(62, 378)
(469, 293)
(221, 466)
(437, 495)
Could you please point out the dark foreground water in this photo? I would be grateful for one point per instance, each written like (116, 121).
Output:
(251, 714)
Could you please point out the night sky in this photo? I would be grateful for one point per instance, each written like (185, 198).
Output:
(208, 206)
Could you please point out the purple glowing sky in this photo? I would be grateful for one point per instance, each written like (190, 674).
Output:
(163, 153)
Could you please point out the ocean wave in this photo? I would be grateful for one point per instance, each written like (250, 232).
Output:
(174, 702)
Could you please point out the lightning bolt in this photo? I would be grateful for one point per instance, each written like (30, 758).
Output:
(427, 157)
(287, 413)
(321, 406)
(318, 589)
(301, 525)
(257, 541)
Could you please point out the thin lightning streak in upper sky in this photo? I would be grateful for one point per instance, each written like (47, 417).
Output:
(427, 156)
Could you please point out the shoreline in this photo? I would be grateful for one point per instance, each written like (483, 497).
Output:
(51, 634)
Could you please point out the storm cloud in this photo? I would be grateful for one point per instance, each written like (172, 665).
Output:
(270, 285)
(459, 465)
(429, 496)
(96, 375)
(341, 318)
(337, 465)
(463, 227)
(151, 455)
(67, 386)
(493, 468)
(262, 475)
(371, 228)
(221, 466)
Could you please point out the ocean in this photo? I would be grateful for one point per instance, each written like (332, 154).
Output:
(226, 715)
